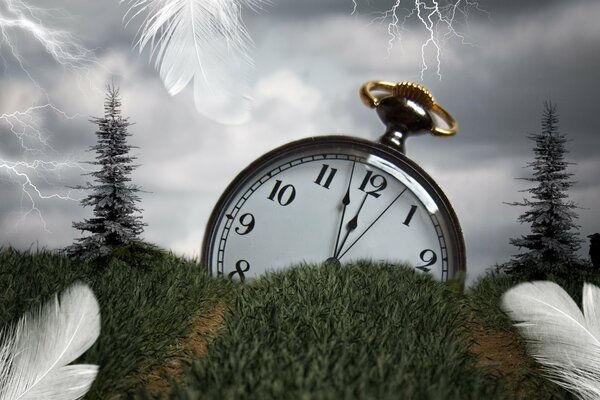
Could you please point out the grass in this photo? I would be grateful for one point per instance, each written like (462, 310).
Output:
(361, 331)
(144, 312)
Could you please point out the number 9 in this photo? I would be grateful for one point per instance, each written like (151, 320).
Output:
(247, 221)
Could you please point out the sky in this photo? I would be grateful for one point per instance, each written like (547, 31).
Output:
(506, 59)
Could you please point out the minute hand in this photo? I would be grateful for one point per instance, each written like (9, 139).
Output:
(345, 203)
(351, 226)
(372, 223)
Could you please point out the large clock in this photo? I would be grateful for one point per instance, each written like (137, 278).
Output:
(339, 199)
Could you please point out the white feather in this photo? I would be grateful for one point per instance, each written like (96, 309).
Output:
(34, 354)
(558, 335)
(204, 41)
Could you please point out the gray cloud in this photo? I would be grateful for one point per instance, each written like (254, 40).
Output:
(310, 59)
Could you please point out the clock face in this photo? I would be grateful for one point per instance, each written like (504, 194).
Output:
(334, 199)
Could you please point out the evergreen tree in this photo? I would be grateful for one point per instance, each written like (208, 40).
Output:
(551, 246)
(116, 222)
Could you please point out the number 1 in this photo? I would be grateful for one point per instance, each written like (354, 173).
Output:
(410, 215)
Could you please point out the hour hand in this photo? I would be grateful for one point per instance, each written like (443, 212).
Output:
(346, 199)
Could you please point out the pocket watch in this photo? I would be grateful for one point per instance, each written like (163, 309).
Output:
(338, 199)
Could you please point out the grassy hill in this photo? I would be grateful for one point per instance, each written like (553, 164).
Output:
(145, 312)
(360, 331)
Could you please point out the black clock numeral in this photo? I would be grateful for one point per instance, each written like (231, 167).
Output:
(410, 215)
(377, 181)
(247, 221)
(322, 173)
(285, 195)
(240, 267)
(428, 262)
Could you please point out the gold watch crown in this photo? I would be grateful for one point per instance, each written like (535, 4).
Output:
(410, 90)
(415, 92)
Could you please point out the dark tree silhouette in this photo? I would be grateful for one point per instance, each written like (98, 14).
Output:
(551, 246)
(116, 221)
(595, 249)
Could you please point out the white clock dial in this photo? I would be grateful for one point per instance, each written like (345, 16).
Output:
(331, 201)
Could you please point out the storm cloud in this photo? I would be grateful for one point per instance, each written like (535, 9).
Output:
(311, 59)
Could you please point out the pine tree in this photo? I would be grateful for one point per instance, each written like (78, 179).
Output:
(116, 222)
(551, 246)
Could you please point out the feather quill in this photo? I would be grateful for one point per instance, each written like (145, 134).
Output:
(204, 41)
(559, 336)
(34, 354)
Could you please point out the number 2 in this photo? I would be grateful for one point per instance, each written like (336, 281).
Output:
(432, 260)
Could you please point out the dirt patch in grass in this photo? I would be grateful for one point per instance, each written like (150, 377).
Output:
(500, 352)
(157, 382)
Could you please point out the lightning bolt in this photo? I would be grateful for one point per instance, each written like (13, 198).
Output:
(36, 167)
(37, 172)
(439, 18)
